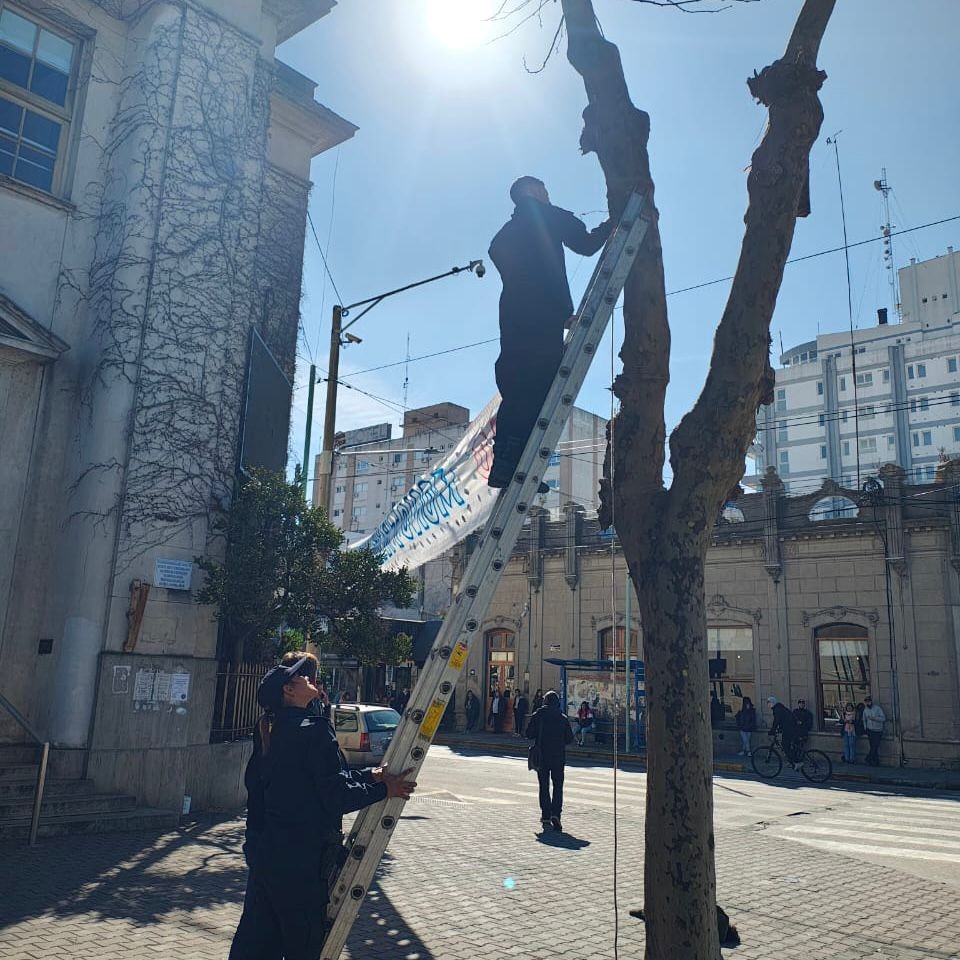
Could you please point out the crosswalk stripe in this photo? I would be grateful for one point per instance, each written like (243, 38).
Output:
(913, 825)
(817, 830)
(903, 852)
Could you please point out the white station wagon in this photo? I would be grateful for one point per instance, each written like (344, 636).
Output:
(364, 731)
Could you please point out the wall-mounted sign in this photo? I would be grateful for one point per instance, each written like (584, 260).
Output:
(172, 574)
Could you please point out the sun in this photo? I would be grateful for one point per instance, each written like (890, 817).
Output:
(459, 24)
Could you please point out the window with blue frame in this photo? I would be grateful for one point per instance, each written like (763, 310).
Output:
(36, 69)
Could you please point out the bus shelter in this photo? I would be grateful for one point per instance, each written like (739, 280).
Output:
(604, 687)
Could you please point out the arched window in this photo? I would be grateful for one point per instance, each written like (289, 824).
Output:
(607, 648)
(843, 662)
(834, 508)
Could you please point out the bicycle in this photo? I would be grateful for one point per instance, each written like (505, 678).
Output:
(768, 761)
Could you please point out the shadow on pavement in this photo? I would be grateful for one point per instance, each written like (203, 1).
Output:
(563, 841)
(132, 876)
(381, 931)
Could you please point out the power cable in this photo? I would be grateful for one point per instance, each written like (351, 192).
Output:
(323, 256)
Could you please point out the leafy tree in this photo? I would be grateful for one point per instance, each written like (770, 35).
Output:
(286, 572)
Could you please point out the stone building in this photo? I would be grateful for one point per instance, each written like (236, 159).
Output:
(825, 597)
(154, 176)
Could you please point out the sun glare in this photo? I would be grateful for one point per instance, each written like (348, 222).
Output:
(459, 24)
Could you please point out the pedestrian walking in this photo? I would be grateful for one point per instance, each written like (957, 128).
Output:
(537, 701)
(746, 719)
(848, 733)
(471, 708)
(551, 731)
(305, 789)
(873, 720)
(584, 721)
(520, 708)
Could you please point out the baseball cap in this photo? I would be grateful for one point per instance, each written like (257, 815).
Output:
(270, 691)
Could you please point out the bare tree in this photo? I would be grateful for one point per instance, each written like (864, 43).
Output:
(665, 532)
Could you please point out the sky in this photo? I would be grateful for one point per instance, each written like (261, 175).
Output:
(449, 115)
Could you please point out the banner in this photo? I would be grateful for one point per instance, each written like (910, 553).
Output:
(444, 505)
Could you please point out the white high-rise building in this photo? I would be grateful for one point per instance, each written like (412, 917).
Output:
(890, 393)
(373, 470)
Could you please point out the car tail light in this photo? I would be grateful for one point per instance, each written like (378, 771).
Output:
(364, 742)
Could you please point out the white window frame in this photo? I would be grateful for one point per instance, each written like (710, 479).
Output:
(64, 115)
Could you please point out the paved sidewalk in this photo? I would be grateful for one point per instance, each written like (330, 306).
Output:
(509, 744)
(464, 881)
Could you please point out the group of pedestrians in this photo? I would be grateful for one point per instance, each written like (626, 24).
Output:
(507, 713)
(794, 726)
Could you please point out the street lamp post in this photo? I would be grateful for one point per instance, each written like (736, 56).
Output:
(339, 335)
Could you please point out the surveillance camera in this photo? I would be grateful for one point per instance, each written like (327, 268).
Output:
(481, 269)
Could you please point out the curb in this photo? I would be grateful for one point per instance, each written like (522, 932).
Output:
(518, 749)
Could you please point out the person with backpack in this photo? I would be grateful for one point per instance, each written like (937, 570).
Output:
(550, 730)
(746, 719)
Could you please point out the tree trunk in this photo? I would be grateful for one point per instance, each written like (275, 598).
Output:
(665, 533)
(679, 876)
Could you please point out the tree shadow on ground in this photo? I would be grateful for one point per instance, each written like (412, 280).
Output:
(562, 841)
(132, 876)
(142, 878)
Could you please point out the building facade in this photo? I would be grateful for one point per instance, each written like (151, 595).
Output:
(893, 396)
(154, 176)
(803, 602)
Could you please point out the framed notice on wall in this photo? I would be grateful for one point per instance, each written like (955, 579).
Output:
(172, 574)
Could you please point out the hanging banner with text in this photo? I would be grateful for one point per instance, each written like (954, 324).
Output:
(444, 505)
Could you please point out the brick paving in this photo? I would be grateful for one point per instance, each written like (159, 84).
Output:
(463, 880)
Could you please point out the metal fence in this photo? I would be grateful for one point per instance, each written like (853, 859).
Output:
(236, 711)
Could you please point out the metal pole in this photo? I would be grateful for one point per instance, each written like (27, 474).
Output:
(629, 646)
(325, 468)
(38, 794)
(306, 441)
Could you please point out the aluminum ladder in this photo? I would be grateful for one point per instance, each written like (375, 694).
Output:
(374, 825)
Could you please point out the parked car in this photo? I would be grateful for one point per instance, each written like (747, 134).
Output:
(364, 731)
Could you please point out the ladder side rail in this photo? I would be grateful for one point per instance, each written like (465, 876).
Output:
(374, 825)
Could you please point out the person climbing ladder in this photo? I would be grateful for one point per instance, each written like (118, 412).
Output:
(535, 307)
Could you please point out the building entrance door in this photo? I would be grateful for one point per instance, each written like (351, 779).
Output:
(501, 670)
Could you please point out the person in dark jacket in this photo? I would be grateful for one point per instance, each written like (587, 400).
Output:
(306, 790)
(551, 729)
(803, 718)
(520, 707)
(471, 708)
(746, 723)
(535, 307)
(786, 726)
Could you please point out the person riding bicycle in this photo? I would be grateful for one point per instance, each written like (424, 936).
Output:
(785, 724)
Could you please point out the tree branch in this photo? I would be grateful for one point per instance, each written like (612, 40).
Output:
(707, 449)
(618, 132)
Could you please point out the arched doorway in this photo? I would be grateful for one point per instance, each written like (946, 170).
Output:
(501, 672)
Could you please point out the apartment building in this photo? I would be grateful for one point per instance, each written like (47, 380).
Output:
(845, 404)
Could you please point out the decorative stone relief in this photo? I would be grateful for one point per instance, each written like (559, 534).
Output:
(717, 606)
(840, 613)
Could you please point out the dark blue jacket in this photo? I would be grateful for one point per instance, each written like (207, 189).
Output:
(528, 254)
(552, 730)
(306, 790)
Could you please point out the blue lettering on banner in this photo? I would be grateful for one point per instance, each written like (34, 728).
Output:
(431, 501)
